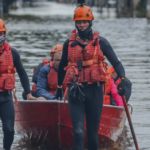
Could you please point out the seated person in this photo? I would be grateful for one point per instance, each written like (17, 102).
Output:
(117, 80)
(47, 80)
(110, 90)
(37, 70)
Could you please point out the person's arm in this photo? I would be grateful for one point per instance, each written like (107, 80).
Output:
(115, 95)
(111, 56)
(63, 63)
(36, 73)
(22, 73)
(42, 84)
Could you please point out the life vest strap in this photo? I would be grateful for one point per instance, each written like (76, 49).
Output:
(66, 91)
(14, 95)
(1, 75)
(83, 63)
(108, 94)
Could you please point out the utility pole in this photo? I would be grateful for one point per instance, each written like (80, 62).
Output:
(148, 10)
(1, 9)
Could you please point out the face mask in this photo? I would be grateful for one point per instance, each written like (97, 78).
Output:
(2, 40)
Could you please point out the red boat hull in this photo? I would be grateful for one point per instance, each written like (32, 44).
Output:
(49, 123)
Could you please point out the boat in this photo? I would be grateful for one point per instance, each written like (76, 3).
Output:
(49, 123)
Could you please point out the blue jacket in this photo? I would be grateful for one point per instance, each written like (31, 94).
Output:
(42, 83)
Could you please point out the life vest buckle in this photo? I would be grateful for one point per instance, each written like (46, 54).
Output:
(83, 50)
(98, 84)
(79, 69)
(78, 78)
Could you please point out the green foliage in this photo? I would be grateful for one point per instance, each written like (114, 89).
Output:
(141, 9)
(141, 12)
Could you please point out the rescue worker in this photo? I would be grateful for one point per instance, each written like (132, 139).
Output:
(47, 80)
(37, 70)
(110, 90)
(9, 63)
(83, 58)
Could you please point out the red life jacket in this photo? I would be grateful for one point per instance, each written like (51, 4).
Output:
(52, 79)
(45, 62)
(106, 88)
(7, 69)
(86, 64)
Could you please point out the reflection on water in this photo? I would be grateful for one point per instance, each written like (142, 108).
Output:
(34, 37)
(125, 141)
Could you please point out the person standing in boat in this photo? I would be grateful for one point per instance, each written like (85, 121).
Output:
(9, 63)
(83, 64)
(37, 70)
(47, 80)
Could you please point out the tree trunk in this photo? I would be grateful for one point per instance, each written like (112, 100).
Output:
(148, 10)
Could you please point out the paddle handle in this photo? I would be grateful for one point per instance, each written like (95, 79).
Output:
(130, 122)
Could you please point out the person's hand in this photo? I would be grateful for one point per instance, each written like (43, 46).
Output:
(59, 93)
(122, 87)
(30, 97)
(41, 98)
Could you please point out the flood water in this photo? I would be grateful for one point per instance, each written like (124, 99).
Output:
(34, 37)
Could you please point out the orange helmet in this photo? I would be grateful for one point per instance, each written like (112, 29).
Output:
(83, 13)
(2, 26)
(56, 49)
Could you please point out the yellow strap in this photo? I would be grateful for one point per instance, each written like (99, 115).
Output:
(59, 86)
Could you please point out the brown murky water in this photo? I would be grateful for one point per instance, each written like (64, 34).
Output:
(34, 37)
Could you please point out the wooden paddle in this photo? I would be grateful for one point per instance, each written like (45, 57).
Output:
(130, 122)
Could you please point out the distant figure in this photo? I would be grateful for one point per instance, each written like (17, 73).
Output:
(31, 3)
(24, 2)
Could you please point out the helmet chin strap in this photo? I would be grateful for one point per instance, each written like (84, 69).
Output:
(2, 40)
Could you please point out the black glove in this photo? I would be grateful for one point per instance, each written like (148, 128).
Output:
(75, 94)
(59, 93)
(122, 87)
